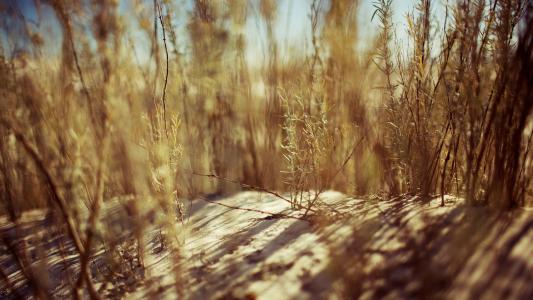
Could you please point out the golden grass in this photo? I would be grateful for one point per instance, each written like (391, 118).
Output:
(94, 123)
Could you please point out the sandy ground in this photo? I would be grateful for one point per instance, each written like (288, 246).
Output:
(405, 248)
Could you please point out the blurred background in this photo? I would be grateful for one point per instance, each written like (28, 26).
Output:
(154, 102)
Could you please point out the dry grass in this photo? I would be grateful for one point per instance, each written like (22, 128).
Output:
(89, 116)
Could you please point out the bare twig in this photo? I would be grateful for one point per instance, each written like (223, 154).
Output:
(58, 199)
(244, 185)
(64, 17)
(278, 215)
(56, 196)
(347, 159)
(91, 223)
(160, 15)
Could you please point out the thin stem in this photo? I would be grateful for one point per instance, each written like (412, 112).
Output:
(160, 15)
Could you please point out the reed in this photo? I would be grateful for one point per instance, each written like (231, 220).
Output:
(136, 102)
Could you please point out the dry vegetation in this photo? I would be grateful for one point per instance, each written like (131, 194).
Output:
(89, 119)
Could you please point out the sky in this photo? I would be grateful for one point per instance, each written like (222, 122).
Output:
(293, 25)
(291, 28)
